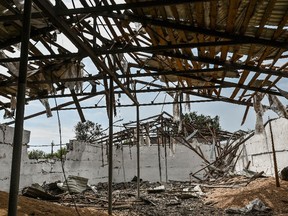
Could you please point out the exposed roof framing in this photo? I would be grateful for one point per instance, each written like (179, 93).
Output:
(155, 127)
(221, 50)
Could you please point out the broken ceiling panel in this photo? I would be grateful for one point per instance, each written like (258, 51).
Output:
(203, 47)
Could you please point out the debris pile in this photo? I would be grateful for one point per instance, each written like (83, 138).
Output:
(250, 195)
(173, 198)
(236, 194)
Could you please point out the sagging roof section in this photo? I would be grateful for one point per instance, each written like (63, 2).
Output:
(222, 50)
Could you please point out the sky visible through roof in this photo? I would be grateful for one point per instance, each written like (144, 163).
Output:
(46, 130)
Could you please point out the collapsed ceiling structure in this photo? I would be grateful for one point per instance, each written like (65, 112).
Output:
(218, 50)
(233, 51)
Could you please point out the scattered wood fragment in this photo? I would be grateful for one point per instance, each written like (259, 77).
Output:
(173, 203)
(255, 176)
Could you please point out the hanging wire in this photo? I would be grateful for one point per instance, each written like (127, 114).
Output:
(61, 144)
(100, 100)
(156, 97)
(61, 157)
(148, 84)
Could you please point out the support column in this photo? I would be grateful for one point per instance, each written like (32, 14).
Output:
(159, 154)
(110, 151)
(138, 151)
(18, 131)
(274, 156)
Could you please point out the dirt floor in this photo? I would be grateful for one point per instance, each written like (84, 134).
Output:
(30, 207)
(178, 198)
(263, 188)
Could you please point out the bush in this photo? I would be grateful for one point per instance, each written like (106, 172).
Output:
(60, 153)
(39, 154)
(36, 154)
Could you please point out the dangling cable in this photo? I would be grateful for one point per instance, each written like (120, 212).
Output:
(61, 153)
(61, 157)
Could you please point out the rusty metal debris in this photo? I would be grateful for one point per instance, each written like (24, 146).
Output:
(38, 192)
(74, 184)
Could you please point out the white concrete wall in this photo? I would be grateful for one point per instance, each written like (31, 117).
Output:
(179, 164)
(85, 160)
(91, 162)
(258, 149)
(7, 134)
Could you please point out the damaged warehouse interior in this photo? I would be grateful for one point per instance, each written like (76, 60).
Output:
(89, 54)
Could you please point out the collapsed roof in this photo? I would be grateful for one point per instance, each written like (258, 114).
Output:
(221, 50)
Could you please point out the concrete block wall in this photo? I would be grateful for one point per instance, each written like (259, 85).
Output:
(258, 149)
(7, 134)
(6, 140)
(91, 162)
(179, 165)
(84, 160)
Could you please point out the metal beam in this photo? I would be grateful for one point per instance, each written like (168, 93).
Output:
(198, 30)
(244, 103)
(54, 108)
(49, 10)
(43, 57)
(153, 48)
(160, 88)
(106, 8)
(138, 150)
(4, 84)
(129, 49)
(226, 64)
(127, 6)
(209, 97)
(17, 39)
(110, 149)
(20, 108)
(77, 104)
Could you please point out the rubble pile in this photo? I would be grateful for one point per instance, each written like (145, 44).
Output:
(222, 196)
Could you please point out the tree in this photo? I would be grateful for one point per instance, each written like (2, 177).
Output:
(202, 121)
(87, 131)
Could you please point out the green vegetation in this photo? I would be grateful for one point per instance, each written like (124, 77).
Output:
(39, 154)
(36, 154)
(87, 131)
(202, 121)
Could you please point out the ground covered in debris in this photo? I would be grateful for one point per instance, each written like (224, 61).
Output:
(237, 194)
(173, 198)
